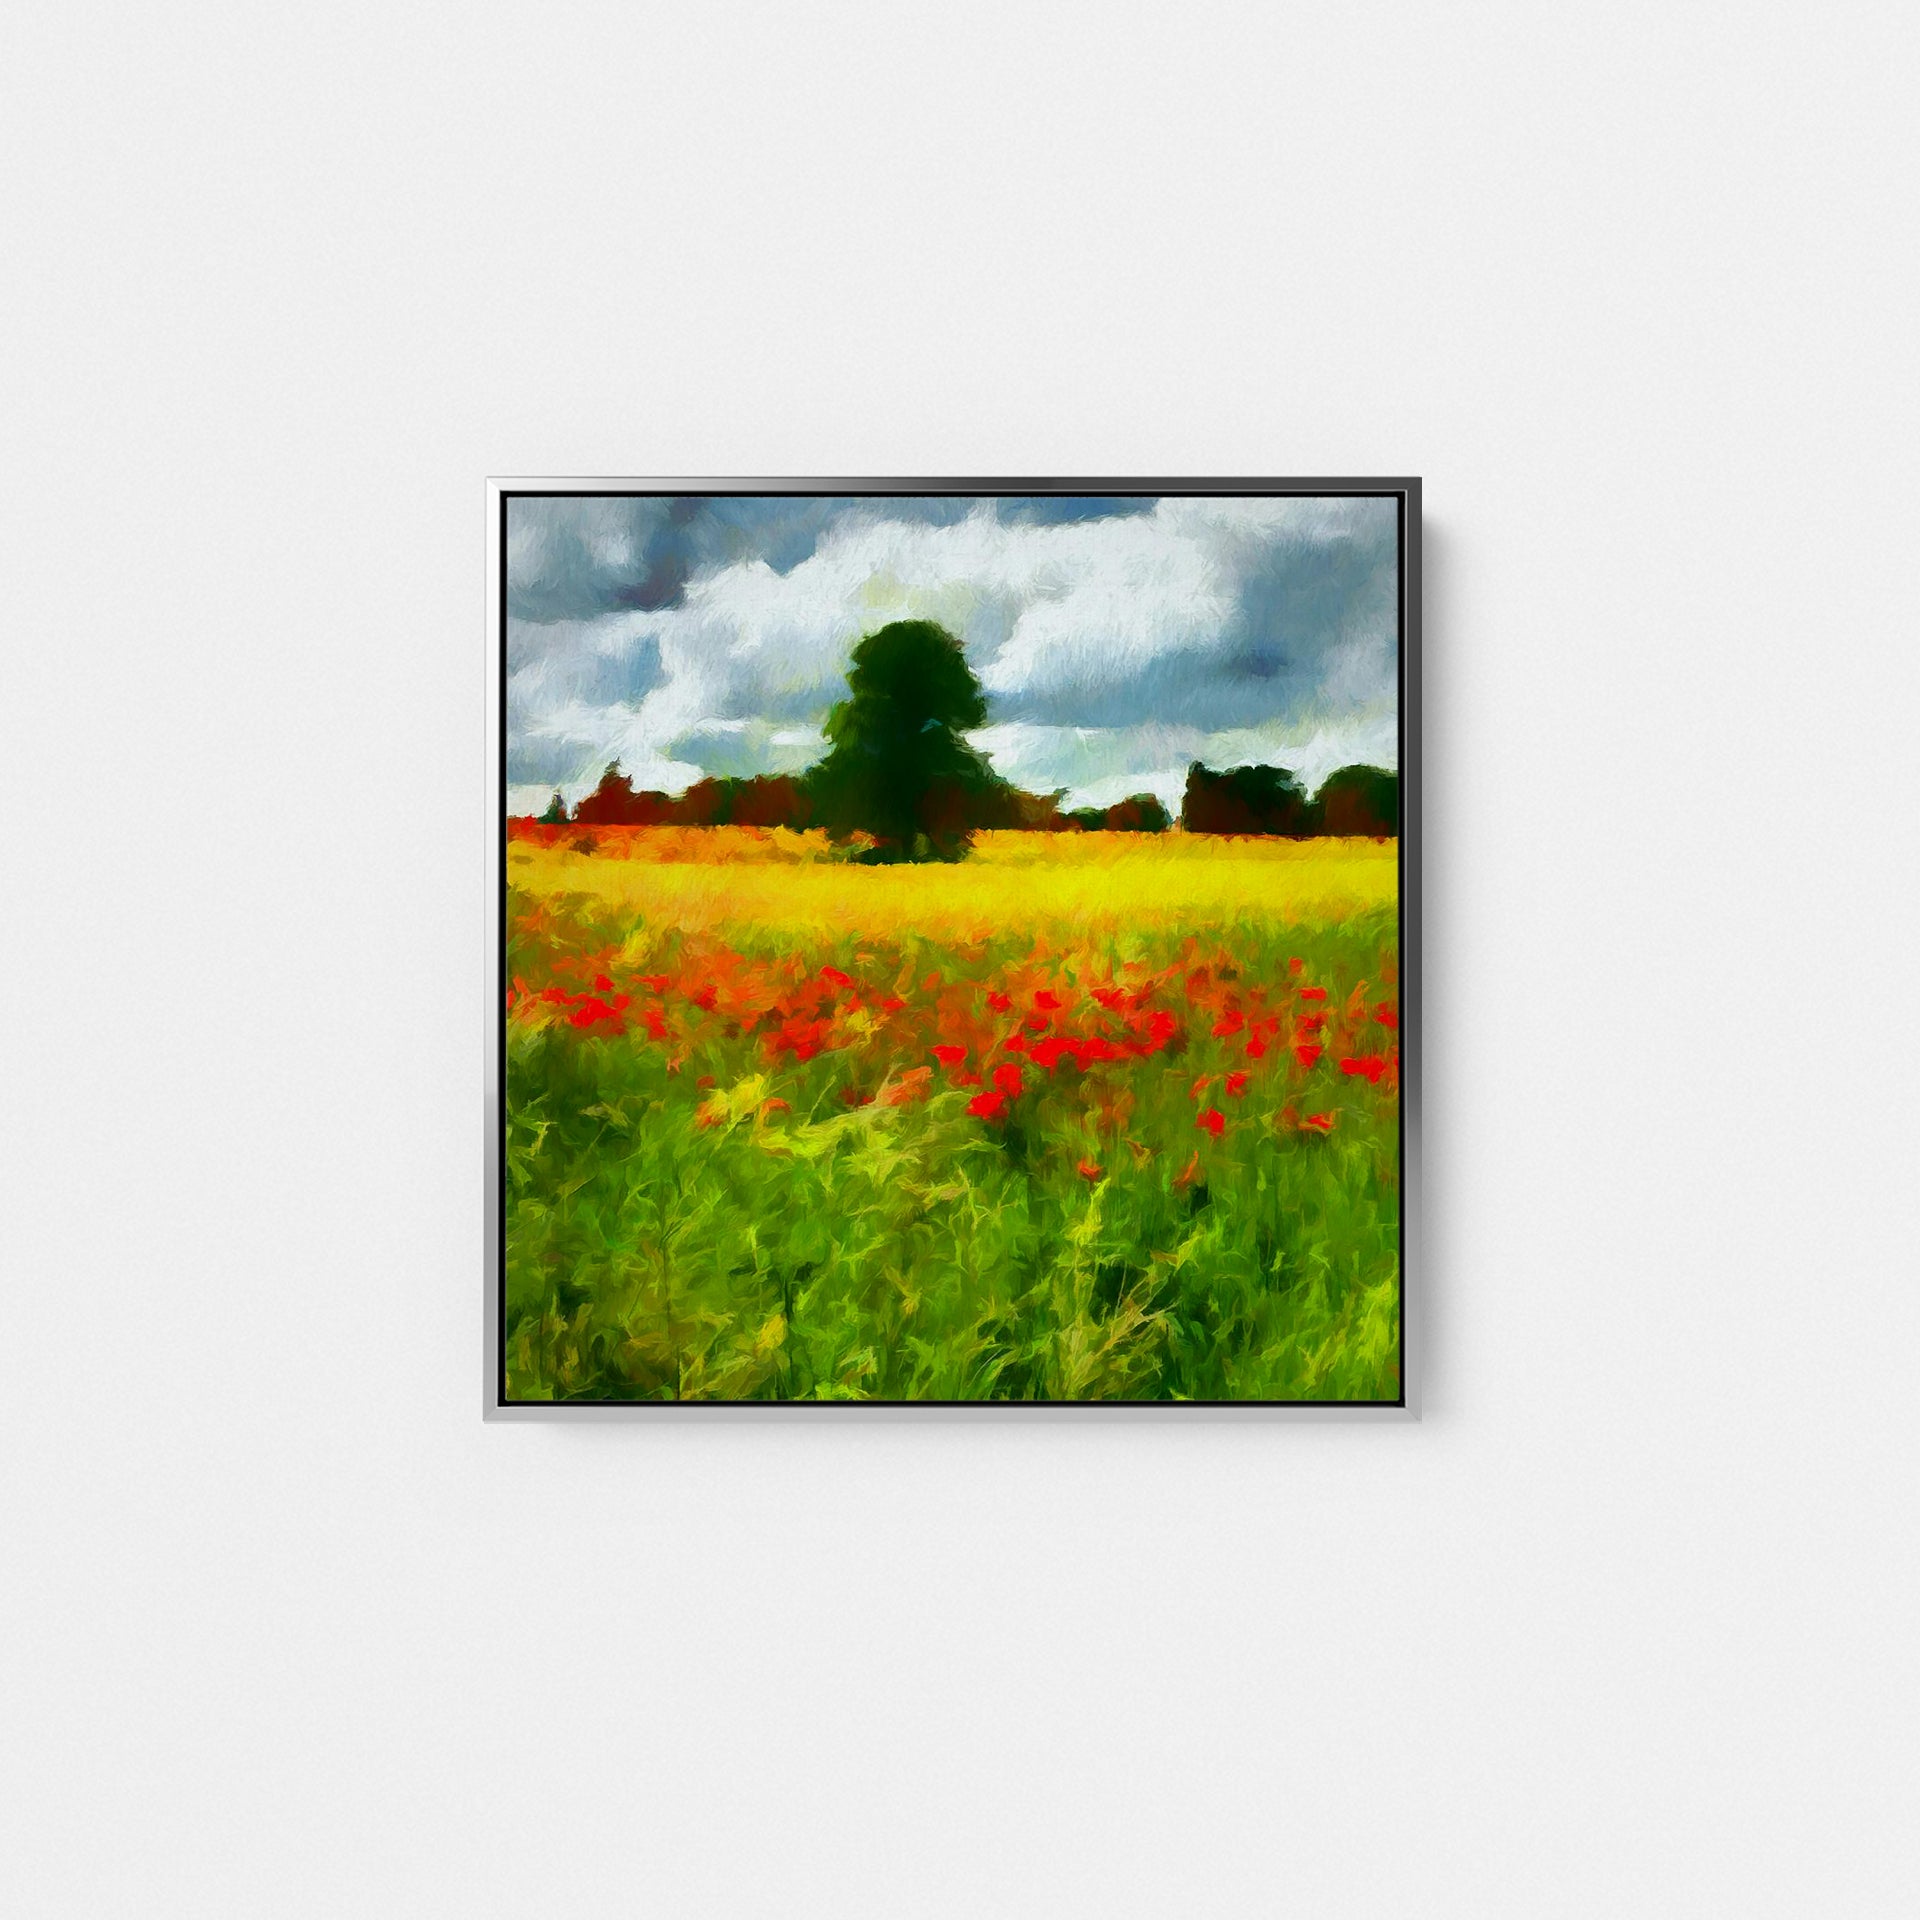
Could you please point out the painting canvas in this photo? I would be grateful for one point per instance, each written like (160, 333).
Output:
(952, 941)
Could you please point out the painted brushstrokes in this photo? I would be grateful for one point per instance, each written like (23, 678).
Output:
(845, 1059)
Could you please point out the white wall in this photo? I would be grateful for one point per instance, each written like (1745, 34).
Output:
(1623, 1623)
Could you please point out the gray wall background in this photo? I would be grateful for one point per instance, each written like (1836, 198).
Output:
(1622, 1623)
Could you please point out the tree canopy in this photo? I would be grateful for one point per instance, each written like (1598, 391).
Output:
(1270, 800)
(1245, 800)
(1359, 800)
(898, 767)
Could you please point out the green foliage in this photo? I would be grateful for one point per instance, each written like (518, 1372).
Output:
(897, 768)
(1362, 801)
(1359, 800)
(1258, 799)
(556, 813)
(1138, 813)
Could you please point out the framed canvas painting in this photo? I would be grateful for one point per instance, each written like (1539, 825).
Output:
(953, 941)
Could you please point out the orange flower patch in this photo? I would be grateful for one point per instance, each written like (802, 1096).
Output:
(1086, 1044)
(912, 1087)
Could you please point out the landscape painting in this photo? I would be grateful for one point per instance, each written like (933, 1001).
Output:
(952, 943)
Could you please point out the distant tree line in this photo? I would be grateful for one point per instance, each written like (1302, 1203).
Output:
(900, 771)
(1270, 800)
(766, 800)
(1244, 800)
(791, 800)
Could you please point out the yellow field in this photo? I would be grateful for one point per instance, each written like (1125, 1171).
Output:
(703, 879)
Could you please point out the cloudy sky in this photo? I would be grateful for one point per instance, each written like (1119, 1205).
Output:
(1117, 639)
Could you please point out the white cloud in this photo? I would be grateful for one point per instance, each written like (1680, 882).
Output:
(1113, 649)
(1099, 765)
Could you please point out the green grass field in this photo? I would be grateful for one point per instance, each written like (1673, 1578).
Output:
(1112, 1117)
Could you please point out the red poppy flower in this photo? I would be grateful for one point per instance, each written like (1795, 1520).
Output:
(654, 982)
(1387, 1016)
(1257, 1047)
(1313, 993)
(1160, 1028)
(1088, 1170)
(949, 1056)
(1015, 1043)
(1006, 1077)
(1307, 1052)
(1318, 1122)
(1046, 1002)
(1294, 966)
(1114, 999)
(801, 1038)
(1236, 1083)
(892, 1004)
(1213, 1121)
(1200, 1086)
(1229, 1023)
(986, 1106)
(1372, 1065)
(601, 981)
(835, 978)
(656, 1023)
(774, 1106)
(1000, 1002)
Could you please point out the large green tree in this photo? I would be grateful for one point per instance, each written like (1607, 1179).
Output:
(897, 766)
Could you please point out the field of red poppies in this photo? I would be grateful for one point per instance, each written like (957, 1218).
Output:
(1056, 1161)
